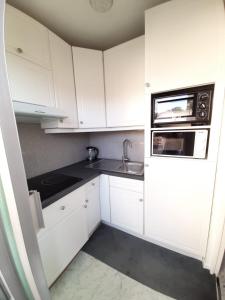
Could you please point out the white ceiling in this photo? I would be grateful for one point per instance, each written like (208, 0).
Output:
(78, 24)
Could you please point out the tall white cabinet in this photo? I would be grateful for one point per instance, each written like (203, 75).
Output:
(183, 50)
(183, 43)
(124, 83)
(89, 81)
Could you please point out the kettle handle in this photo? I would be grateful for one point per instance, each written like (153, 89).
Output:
(97, 152)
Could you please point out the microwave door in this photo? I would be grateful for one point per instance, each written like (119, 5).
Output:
(177, 144)
(179, 109)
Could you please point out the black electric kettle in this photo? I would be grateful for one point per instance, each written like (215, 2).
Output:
(92, 153)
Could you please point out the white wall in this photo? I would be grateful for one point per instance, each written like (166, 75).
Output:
(46, 152)
(110, 144)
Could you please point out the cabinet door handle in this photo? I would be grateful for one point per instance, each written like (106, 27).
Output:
(93, 184)
(81, 122)
(62, 207)
(141, 200)
(85, 206)
(86, 200)
(19, 50)
(38, 208)
(146, 165)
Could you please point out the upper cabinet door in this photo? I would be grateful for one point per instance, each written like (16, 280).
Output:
(89, 82)
(124, 83)
(26, 37)
(184, 43)
(29, 82)
(62, 69)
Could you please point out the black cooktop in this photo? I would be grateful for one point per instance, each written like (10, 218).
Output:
(50, 184)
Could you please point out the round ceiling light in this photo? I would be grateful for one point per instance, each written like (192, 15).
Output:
(101, 5)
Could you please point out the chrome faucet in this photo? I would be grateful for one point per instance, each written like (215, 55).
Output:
(126, 143)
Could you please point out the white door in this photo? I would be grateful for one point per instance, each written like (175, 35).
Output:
(127, 209)
(26, 37)
(61, 242)
(93, 209)
(178, 203)
(20, 262)
(124, 83)
(89, 82)
(29, 82)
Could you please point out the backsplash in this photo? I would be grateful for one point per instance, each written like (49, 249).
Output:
(46, 152)
(110, 144)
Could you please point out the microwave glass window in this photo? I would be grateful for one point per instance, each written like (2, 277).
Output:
(175, 109)
(174, 143)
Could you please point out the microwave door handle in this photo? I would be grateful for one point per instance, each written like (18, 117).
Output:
(165, 99)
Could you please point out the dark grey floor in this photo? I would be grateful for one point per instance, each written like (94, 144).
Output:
(172, 274)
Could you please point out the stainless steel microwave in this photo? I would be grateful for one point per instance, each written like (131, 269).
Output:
(191, 105)
(180, 143)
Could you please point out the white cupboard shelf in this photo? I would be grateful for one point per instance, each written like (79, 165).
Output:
(89, 82)
(124, 83)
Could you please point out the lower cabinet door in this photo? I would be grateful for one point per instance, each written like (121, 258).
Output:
(178, 202)
(61, 243)
(93, 209)
(127, 209)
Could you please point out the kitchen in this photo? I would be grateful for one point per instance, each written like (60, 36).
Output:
(119, 141)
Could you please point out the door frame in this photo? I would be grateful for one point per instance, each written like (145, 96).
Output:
(216, 238)
(14, 183)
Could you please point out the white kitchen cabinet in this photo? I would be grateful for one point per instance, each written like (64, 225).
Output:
(104, 198)
(126, 201)
(124, 83)
(26, 38)
(182, 50)
(29, 82)
(65, 233)
(178, 200)
(62, 69)
(89, 82)
(92, 204)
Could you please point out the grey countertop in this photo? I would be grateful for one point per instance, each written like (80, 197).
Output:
(80, 170)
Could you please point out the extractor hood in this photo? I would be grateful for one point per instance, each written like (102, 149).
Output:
(23, 109)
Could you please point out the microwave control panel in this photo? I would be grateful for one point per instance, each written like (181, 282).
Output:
(203, 105)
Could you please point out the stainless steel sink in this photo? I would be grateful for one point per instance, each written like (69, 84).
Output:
(112, 165)
(129, 167)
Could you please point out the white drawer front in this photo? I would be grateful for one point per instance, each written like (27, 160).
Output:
(127, 183)
(92, 184)
(63, 207)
